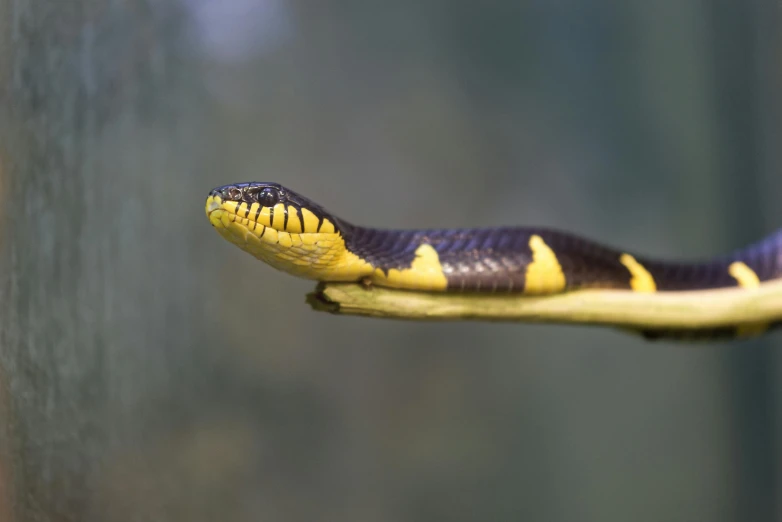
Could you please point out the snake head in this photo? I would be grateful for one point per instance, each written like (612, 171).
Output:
(277, 225)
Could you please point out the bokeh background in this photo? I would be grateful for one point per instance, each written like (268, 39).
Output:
(149, 370)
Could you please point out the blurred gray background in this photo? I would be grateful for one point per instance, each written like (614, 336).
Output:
(149, 370)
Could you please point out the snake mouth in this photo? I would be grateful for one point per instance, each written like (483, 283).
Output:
(230, 216)
(239, 222)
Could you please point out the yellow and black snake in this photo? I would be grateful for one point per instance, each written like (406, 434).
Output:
(298, 236)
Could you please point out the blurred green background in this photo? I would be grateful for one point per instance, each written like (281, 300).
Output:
(149, 370)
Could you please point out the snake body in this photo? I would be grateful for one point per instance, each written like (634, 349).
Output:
(296, 235)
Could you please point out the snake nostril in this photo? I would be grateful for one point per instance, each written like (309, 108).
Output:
(232, 193)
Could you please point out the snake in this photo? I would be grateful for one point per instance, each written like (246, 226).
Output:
(296, 235)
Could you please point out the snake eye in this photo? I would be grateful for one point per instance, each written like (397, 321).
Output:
(267, 197)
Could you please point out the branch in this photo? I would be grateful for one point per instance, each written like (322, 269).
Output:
(661, 310)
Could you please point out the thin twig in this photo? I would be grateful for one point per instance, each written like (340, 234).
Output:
(661, 310)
